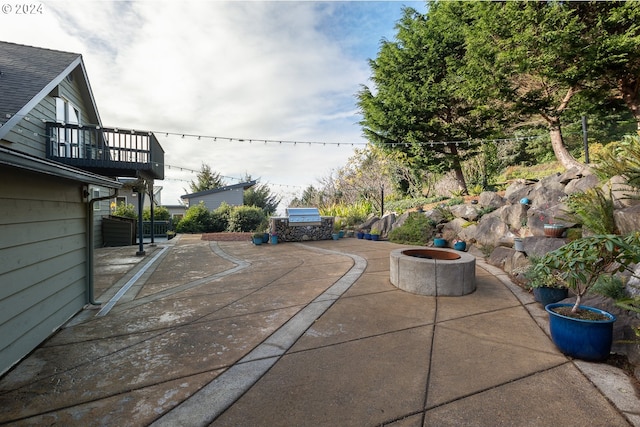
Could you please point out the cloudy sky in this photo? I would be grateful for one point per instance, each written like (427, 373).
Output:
(278, 70)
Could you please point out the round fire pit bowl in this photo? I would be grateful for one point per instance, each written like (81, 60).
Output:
(433, 272)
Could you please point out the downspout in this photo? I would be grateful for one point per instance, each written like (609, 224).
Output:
(89, 243)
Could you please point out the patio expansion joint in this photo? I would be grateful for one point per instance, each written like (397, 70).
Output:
(213, 399)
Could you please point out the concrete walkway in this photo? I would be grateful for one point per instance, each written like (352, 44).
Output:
(202, 333)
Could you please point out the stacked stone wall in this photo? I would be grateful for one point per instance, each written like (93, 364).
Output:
(301, 233)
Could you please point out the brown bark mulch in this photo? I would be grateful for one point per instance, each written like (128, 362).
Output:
(227, 237)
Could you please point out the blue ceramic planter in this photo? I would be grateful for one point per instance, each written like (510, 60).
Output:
(439, 243)
(367, 236)
(360, 235)
(545, 295)
(375, 237)
(257, 240)
(581, 339)
(460, 246)
(274, 239)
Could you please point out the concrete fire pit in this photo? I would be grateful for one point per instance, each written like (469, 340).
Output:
(434, 272)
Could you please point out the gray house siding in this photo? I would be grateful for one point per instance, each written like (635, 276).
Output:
(213, 201)
(42, 259)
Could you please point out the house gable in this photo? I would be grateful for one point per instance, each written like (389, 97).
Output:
(42, 75)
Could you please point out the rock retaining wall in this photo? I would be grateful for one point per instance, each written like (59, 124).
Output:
(301, 233)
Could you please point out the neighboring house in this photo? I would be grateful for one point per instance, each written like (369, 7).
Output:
(176, 211)
(57, 168)
(128, 196)
(231, 194)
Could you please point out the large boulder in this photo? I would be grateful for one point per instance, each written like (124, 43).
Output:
(452, 229)
(400, 220)
(434, 215)
(622, 193)
(627, 219)
(538, 246)
(518, 190)
(384, 225)
(490, 199)
(581, 185)
(490, 230)
(369, 222)
(509, 260)
(515, 216)
(465, 211)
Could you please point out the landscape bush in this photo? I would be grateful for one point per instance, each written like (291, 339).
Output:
(416, 230)
(246, 218)
(196, 219)
(124, 210)
(160, 213)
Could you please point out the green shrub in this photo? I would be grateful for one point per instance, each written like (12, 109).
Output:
(593, 210)
(352, 214)
(476, 190)
(220, 218)
(125, 210)
(455, 201)
(416, 230)
(160, 213)
(196, 219)
(245, 218)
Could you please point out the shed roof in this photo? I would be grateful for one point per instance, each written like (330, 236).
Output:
(242, 185)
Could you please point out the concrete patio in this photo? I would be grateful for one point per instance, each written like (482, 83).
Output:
(199, 333)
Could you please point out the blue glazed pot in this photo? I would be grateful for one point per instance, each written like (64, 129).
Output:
(375, 237)
(265, 238)
(335, 236)
(545, 295)
(439, 243)
(582, 339)
(460, 246)
(257, 240)
(360, 235)
(274, 239)
(367, 236)
(341, 234)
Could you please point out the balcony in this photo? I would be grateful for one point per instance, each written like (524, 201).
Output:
(108, 152)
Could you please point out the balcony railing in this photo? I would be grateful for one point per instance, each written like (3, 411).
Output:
(108, 152)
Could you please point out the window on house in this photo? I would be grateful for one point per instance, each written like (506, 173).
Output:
(68, 140)
(95, 193)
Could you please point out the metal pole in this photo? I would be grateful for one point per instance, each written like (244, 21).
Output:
(585, 139)
(381, 201)
(140, 192)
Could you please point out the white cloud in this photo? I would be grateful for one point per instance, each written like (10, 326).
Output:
(262, 70)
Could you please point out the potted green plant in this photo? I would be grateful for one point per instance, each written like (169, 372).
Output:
(581, 331)
(375, 234)
(257, 238)
(546, 290)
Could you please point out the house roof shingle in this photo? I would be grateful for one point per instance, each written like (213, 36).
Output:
(25, 71)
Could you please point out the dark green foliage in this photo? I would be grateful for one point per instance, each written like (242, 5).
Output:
(207, 179)
(622, 158)
(609, 286)
(416, 230)
(197, 219)
(260, 196)
(593, 210)
(160, 213)
(246, 218)
(125, 210)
